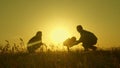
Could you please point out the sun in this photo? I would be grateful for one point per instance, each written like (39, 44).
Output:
(58, 35)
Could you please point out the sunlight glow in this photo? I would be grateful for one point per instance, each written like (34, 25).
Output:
(58, 35)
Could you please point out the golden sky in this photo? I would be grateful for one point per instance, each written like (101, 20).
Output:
(25, 18)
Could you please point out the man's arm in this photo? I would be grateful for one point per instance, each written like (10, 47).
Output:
(77, 42)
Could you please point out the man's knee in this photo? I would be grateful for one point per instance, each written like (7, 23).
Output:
(89, 46)
(93, 47)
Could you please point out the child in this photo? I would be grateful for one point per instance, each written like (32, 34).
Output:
(69, 42)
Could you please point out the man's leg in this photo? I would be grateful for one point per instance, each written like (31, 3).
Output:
(93, 48)
(85, 47)
(68, 48)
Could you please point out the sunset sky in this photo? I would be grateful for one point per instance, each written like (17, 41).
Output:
(24, 18)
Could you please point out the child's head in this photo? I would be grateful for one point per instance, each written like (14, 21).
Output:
(69, 42)
(73, 39)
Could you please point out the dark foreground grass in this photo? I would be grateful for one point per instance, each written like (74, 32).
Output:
(78, 59)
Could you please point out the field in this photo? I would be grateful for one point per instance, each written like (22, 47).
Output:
(62, 59)
(16, 56)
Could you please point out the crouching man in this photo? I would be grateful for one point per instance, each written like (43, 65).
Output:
(87, 39)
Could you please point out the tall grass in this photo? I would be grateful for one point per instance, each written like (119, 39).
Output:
(61, 59)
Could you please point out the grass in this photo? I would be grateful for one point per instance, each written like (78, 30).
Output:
(59, 59)
(12, 57)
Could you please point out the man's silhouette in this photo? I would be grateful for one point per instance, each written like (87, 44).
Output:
(87, 39)
(35, 42)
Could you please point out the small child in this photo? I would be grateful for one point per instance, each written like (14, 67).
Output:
(69, 42)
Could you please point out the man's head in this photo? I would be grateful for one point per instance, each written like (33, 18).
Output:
(39, 33)
(79, 28)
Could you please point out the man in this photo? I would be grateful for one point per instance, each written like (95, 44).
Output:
(87, 39)
(35, 42)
